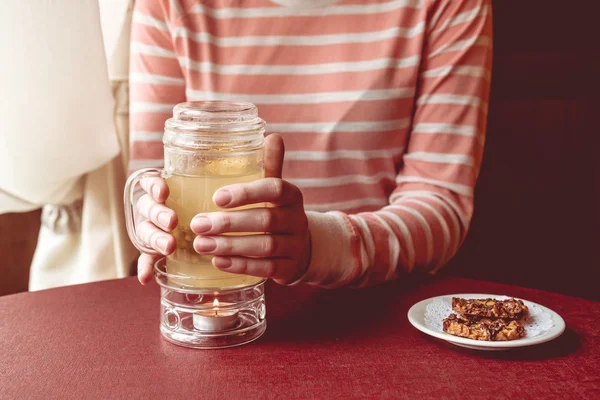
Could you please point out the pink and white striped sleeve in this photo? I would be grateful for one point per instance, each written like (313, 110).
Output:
(157, 83)
(431, 207)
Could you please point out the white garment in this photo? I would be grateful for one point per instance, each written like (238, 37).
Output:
(115, 17)
(86, 240)
(56, 108)
(64, 147)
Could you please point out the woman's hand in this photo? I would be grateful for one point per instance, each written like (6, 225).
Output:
(283, 251)
(154, 231)
(283, 254)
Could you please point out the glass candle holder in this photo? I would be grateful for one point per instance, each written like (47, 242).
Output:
(209, 318)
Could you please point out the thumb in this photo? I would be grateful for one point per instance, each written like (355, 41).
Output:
(274, 152)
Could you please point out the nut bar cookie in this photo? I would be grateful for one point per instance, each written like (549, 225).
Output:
(484, 328)
(490, 308)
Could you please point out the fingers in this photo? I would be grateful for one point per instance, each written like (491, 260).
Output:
(250, 245)
(145, 267)
(158, 213)
(271, 190)
(274, 152)
(268, 190)
(160, 218)
(280, 269)
(156, 187)
(274, 220)
(156, 238)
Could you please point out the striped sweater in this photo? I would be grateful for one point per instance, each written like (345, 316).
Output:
(382, 105)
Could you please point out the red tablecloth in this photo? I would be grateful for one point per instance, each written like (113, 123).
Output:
(102, 341)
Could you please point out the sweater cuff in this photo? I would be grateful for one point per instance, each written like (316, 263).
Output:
(334, 246)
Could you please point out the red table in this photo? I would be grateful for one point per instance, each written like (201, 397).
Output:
(101, 340)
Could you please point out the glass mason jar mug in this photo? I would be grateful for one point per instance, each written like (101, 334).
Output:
(207, 145)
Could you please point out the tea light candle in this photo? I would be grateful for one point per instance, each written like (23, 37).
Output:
(217, 320)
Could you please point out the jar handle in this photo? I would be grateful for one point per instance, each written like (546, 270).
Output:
(130, 206)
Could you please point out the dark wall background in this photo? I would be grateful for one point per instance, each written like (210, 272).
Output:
(18, 238)
(537, 219)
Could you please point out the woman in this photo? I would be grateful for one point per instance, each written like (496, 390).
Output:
(382, 106)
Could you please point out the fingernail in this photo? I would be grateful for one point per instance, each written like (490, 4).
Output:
(205, 244)
(222, 262)
(162, 243)
(155, 191)
(164, 219)
(201, 224)
(222, 197)
(141, 278)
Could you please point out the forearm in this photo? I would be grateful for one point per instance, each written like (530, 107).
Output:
(420, 230)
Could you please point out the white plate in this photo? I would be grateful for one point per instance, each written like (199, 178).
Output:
(416, 316)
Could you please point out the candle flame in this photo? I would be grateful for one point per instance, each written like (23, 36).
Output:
(216, 306)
